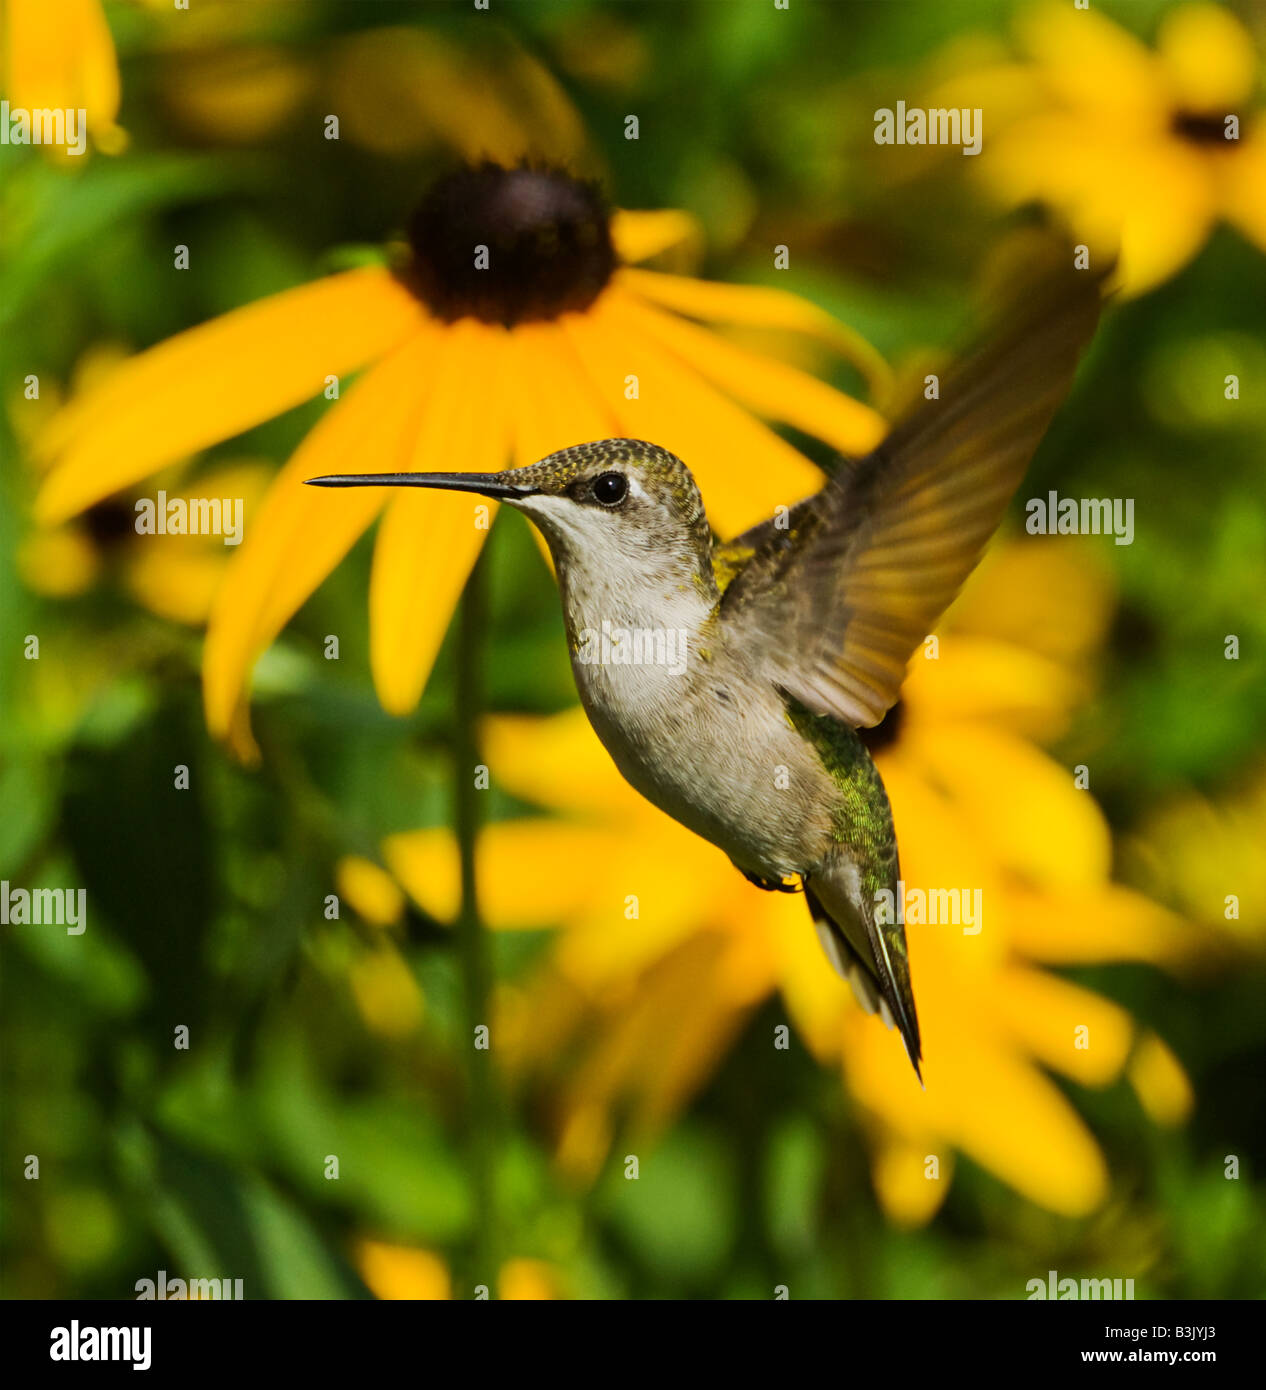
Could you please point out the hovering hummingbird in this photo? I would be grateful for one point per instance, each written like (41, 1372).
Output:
(798, 631)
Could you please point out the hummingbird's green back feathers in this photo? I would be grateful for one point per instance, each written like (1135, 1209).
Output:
(843, 892)
(833, 602)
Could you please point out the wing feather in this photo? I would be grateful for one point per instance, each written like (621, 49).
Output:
(836, 600)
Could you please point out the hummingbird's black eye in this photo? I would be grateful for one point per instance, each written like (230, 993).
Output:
(610, 488)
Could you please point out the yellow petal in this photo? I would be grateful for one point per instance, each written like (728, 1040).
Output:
(744, 470)
(372, 893)
(976, 678)
(910, 1189)
(1021, 804)
(1101, 924)
(301, 533)
(1068, 1028)
(942, 851)
(536, 1019)
(1146, 196)
(402, 89)
(760, 306)
(212, 382)
(663, 1041)
(531, 873)
(428, 541)
(1244, 186)
(554, 402)
(1047, 594)
(985, 1100)
(584, 1141)
(173, 579)
(236, 95)
(1090, 62)
(650, 894)
(532, 1280)
(640, 235)
(1016, 1123)
(58, 563)
(1209, 58)
(526, 754)
(762, 383)
(1160, 1081)
(61, 56)
(400, 1272)
(1169, 197)
(385, 991)
(814, 994)
(177, 576)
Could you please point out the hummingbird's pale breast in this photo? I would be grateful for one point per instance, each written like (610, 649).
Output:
(686, 720)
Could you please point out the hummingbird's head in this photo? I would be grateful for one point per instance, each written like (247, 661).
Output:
(600, 503)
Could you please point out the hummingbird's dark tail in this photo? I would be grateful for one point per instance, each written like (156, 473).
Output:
(879, 987)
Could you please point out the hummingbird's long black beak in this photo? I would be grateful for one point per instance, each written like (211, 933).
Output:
(485, 484)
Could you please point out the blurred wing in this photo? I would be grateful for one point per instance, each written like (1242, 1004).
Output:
(833, 604)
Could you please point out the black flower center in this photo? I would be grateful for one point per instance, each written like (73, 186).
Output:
(1200, 128)
(509, 245)
(109, 522)
(885, 733)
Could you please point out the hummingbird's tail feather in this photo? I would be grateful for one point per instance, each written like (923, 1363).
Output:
(873, 982)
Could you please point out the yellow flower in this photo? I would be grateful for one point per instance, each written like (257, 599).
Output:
(1129, 141)
(665, 949)
(397, 90)
(174, 576)
(401, 90)
(402, 1272)
(407, 1272)
(516, 326)
(59, 56)
(1204, 857)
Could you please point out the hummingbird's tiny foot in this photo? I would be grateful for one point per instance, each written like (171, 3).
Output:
(774, 885)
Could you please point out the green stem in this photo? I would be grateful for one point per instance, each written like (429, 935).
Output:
(472, 944)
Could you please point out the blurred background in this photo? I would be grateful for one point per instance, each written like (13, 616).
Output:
(683, 1102)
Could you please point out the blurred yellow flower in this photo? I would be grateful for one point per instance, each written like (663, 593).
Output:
(174, 576)
(402, 1271)
(385, 990)
(404, 90)
(516, 326)
(234, 94)
(1204, 857)
(373, 893)
(1130, 142)
(665, 949)
(409, 1273)
(398, 91)
(58, 55)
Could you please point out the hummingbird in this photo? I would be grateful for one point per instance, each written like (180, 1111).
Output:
(797, 632)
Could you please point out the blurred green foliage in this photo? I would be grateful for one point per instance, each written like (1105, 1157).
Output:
(207, 906)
